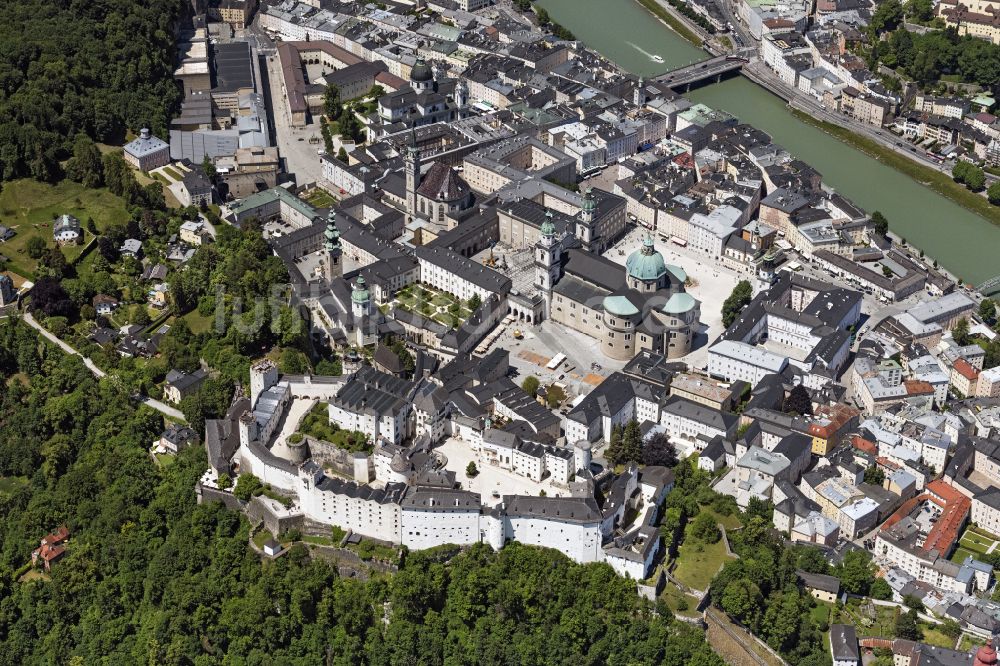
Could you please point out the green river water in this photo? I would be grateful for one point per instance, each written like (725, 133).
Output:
(961, 241)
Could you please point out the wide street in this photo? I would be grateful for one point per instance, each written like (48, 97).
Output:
(301, 156)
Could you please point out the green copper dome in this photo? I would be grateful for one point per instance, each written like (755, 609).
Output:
(678, 273)
(620, 306)
(646, 264)
(548, 226)
(360, 292)
(679, 304)
(589, 203)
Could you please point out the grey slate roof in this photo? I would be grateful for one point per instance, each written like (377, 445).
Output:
(569, 509)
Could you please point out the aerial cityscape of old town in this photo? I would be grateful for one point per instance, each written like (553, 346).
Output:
(500, 332)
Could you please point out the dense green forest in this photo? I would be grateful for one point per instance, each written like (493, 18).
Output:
(71, 67)
(152, 577)
(927, 57)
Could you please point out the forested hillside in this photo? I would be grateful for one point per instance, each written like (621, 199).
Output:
(151, 577)
(68, 67)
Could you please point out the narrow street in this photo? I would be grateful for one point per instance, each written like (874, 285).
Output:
(161, 407)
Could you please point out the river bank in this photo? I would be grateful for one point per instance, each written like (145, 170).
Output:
(935, 180)
(671, 21)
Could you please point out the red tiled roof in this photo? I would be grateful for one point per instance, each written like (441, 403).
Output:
(917, 387)
(56, 537)
(862, 444)
(955, 509)
(944, 490)
(684, 160)
(390, 80)
(963, 368)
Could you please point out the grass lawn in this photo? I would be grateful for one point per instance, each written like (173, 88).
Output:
(172, 173)
(821, 613)
(934, 636)
(974, 542)
(697, 562)
(729, 522)
(672, 596)
(968, 642)
(960, 554)
(320, 198)
(937, 181)
(33, 574)
(432, 303)
(319, 540)
(10, 484)
(27, 207)
(198, 323)
(168, 196)
(883, 625)
(164, 459)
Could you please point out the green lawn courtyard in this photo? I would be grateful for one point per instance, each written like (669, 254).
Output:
(28, 207)
(975, 542)
(440, 306)
(320, 198)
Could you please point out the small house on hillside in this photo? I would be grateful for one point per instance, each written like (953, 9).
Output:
(51, 548)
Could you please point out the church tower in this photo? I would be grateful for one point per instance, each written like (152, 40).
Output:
(639, 98)
(547, 262)
(361, 298)
(333, 268)
(585, 221)
(412, 168)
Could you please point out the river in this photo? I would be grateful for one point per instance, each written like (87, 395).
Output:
(623, 31)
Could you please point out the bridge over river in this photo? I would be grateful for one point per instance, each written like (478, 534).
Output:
(706, 71)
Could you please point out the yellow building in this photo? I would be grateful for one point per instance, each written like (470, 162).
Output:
(978, 18)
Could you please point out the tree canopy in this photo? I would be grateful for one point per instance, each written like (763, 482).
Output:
(740, 297)
(81, 68)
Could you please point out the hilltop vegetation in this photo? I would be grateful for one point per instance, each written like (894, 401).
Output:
(150, 576)
(72, 67)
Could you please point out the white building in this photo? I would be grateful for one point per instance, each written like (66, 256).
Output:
(433, 516)
(570, 525)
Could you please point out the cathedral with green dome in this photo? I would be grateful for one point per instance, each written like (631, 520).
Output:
(641, 306)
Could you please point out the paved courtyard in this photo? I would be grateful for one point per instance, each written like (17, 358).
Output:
(540, 344)
(297, 410)
(491, 479)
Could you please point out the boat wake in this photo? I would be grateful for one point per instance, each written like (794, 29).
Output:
(652, 56)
